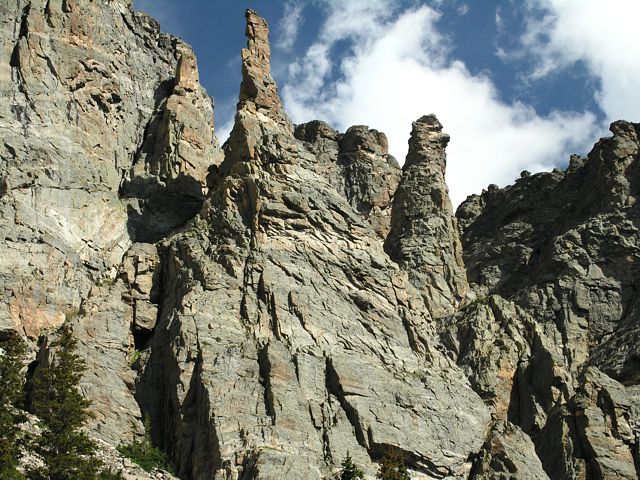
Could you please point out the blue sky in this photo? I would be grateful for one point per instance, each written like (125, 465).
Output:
(517, 84)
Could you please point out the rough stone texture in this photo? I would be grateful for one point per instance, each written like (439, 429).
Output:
(563, 247)
(287, 335)
(358, 165)
(508, 454)
(97, 105)
(371, 175)
(106, 453)
(424, 237)
(295, 295)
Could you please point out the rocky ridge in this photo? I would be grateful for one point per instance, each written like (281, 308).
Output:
(294, 295)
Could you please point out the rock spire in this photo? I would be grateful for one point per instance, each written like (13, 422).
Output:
(424, 233)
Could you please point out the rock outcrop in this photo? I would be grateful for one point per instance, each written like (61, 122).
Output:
(106, 140)
(424, 234)
(563, 247)
(295, 295)
(289, 337)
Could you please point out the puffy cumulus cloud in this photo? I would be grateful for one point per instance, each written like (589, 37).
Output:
(397, 67)
(602, 34)
(289, 25)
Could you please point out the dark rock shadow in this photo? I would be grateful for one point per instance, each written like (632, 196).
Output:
(156, 210)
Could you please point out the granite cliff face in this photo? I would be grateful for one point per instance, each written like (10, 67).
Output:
(106, 141)
(563, 249)
(295, 295)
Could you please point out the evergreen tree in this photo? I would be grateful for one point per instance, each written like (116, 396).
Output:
(11, 396)
(393, 466)
(349, 470)
(67, 452)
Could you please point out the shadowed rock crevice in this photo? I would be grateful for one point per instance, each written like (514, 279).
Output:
(160, 210)
(335, 388)
(265, 375)
(166, 185)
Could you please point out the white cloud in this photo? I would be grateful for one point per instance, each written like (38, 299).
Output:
(289, 25)
(602, 34)
(398, 68)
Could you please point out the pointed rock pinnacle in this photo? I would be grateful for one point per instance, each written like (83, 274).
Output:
(424, 234)
(258, 90)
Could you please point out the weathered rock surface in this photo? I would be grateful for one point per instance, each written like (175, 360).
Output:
(103, 124)
(563, 248)
(508, 454)
(424, 238)
(295, 295)
(287, 335)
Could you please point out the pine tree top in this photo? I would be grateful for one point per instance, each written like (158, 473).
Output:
(349, 470)
(393, 466)
(56, 399)
(11, 380)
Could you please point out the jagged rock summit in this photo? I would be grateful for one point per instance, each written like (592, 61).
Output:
(293, 341)
(295, 295)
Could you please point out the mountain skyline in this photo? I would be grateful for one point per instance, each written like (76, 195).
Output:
(517, 85)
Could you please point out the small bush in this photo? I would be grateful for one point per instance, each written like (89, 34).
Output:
(135, 356)
(110, 475)
(144, 453)
(71, 314)
(105, 282)
(393, 466)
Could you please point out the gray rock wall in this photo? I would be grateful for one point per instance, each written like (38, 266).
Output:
(293, 296)
(88, 89)
(289, 337)
(563, 247)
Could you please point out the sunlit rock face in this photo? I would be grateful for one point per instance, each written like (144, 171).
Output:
(563, 248)
(295, 295)
(296, 338)
(107, 137)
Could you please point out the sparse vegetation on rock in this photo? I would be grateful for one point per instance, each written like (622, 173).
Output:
(12, 352)
(66, 450)
(349, 469)
(393, 466)
(144, 453)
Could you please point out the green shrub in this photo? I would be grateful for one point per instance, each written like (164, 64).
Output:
(71, 314)
(135, 356)
(393, 466)
(144, 453)
(110, 475)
